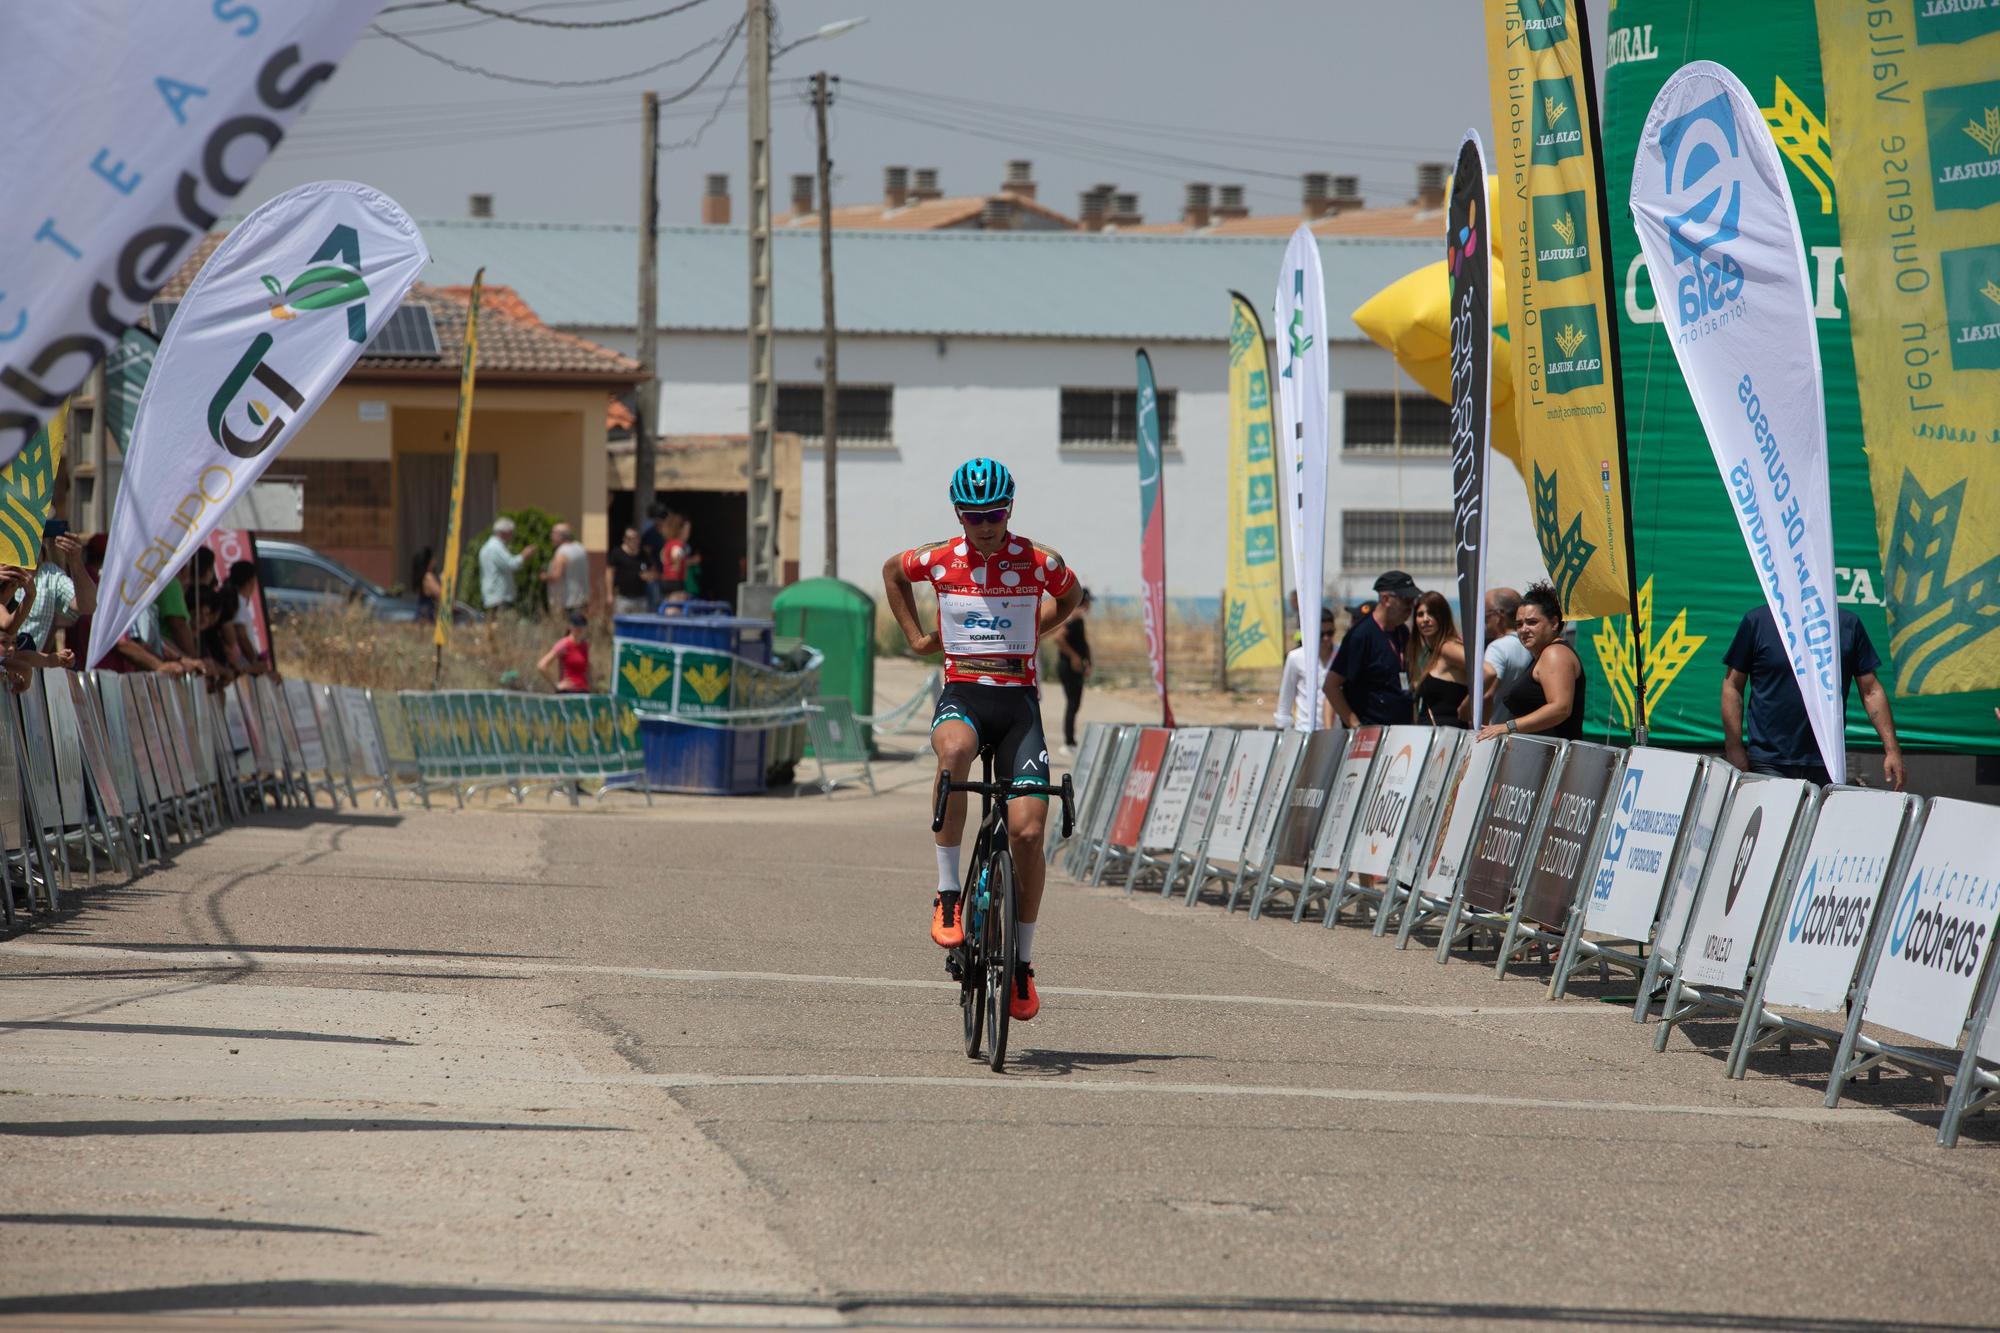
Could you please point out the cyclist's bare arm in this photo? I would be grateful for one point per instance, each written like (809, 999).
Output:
(1055, 610)
(903, 606)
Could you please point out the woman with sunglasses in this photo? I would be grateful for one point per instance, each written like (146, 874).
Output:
(998, 595)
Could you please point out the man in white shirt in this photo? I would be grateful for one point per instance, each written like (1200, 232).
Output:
(1301, 701)
(1507, 658)
(497, 565)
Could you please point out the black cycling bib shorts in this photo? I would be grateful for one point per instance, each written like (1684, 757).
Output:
(1006, 719)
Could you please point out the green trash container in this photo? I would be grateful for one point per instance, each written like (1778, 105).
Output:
(839, 620)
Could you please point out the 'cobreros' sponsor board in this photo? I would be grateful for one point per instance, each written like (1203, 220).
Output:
(1439, 766)
(1743, 868)
(1646, 816)
(1348, 787)
(1502, 839)
(1241, 782)
(1308, 798)
(1170, 802)
(1941, 925)
(1826, 923)
(1456, 820)
(1207, 787)
(1701, 841)
(1562, 859)
(1137, 793)
(1394, 792)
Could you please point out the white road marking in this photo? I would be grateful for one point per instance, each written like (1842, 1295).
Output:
(1809, 1115)
(516, 967)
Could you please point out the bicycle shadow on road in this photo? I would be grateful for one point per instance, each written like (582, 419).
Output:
(1034, 1063)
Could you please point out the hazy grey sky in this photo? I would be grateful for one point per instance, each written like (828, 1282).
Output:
(1091, 90)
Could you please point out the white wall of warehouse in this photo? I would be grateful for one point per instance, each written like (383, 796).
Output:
(957, 397)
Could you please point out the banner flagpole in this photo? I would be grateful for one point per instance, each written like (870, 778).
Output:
(461, 442)
(1614, 368)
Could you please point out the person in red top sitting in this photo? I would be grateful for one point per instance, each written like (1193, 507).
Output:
(998, 595)
(568, 662)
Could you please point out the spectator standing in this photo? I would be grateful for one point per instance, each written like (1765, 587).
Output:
(1781, 741)
(673, 585)
(653, 541)
(252, 658)
(625, 579)
(567, 663)
(424, 583)
(1548, 700)
(1366, 682)
(1437, 662)
(497, 565)
(1302, 704)
(1507, 658)
(568, 574)
(1073, 667)
(64, 589)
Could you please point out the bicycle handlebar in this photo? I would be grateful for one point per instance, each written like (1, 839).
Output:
(1001, 791)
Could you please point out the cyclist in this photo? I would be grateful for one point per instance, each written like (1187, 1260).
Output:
(991, 586)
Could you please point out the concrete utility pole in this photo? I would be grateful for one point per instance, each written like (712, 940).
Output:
(829, 411)
(762, 526)
(644, 431)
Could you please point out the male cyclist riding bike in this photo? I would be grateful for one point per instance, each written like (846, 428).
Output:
(990, 585)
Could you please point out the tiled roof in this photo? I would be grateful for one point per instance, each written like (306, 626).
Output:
(1011, 284)
(1403, 221)
(925, 214)
(514, 343)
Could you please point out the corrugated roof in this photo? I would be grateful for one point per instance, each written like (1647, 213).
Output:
(967, 283)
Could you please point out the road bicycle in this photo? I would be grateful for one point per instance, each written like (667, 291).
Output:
(984, 964)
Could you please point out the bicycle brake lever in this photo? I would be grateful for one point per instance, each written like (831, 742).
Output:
(1069, 810)
(943, 797)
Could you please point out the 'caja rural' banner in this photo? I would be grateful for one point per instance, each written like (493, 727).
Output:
(1552, 235)
(1913, 102)
(1253, 610)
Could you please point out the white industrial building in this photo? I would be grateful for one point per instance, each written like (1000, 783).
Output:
(1019, 345)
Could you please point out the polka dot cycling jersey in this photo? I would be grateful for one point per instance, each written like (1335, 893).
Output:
(988, 605)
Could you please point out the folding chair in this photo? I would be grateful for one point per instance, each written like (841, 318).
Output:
(837, 736)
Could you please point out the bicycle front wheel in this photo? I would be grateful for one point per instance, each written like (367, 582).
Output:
(1000, 948)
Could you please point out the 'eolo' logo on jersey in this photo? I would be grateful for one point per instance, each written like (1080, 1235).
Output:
(1572, 355)
(1702, 151)
(1545, 22)
(1971, 280)
(1963, 128)
(1557, 122)
(1561, 235)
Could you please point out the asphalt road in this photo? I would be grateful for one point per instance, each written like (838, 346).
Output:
(528, 1067)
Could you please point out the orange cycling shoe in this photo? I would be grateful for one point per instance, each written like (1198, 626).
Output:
(947, 921)
(1026, 1001)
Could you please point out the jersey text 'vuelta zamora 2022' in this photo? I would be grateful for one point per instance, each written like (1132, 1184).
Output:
(988, 605)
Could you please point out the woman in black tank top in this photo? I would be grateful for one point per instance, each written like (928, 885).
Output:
(1548, 701)
(1437, 662)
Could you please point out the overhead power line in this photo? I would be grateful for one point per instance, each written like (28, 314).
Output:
(725, 41)
(578, 25)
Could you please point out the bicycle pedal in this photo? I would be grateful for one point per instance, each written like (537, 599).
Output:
(954, 967)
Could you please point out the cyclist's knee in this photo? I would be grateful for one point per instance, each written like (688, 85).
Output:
(956, 747)
(1026, 819)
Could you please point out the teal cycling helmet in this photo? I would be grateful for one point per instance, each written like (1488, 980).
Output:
(981, 483)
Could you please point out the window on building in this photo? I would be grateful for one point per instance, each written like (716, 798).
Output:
(1374, 422)
(1372, 540)
(1109, 418)
(863, 413)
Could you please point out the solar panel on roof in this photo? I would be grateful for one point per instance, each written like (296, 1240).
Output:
(409, 331)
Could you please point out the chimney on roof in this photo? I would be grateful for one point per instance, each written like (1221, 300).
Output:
(1124, 211)
(802, 194)
(1430, 185)
(1231, 205)
(715, 200)
(998, 214)
(1346, 193)
(925, 185)
(479, 206)
(1315, 195)
(895, 186)
(1195, 211)
(1091, 205)
(1020, 180)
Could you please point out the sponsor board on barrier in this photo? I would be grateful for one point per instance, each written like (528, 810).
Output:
(1743, 868)
(1439, 767)
(1681, 893)
(1346, 796)
(1242, 779)
(1405, 751)
(1137, 791)
(1170, 802)
(1306, 801)
(1941, 925)
(1562, 859)
(1503, 836)
(1839, 883)
(1456, 820)
(1207, 787)
(1645, 820)
(1272, 801)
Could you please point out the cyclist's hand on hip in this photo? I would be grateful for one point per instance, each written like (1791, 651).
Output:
(927, 645)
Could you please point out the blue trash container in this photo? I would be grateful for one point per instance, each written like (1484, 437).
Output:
(706, 761)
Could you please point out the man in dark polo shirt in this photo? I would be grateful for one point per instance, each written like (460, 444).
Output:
(1367, 683)
(1781, 741)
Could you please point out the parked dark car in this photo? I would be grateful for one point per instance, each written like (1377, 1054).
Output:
(297, 578)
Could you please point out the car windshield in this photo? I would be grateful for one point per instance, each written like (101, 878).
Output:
(280, 568)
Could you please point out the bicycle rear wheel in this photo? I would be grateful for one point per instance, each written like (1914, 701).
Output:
(999, 948)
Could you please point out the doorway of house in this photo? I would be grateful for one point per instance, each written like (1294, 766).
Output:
(423, 507)
(718, 532)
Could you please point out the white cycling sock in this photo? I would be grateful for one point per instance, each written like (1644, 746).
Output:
(1024, 931)
(950, 880)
